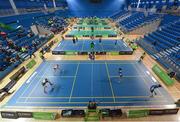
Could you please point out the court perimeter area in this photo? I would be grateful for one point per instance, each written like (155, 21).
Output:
(83, 47)
(78, 82)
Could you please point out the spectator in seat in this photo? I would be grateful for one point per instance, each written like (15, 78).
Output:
(10, 43)
(30, 33)
(3, 34)
(18, 58)
(154, 43)
(17, 48)
(23, 49)
(5, 90)
(34, 44)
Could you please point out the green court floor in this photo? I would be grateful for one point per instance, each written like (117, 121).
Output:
(99, 26)
(88, 33)
(90, 21)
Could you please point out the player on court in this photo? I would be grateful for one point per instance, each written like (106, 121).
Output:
(100, 40)
(152, 89)
(74, 40)
(115, 42)
(92, 56)
(62, 37)
(44, 84)
(142, 57)
(120, 73)
(92, 45)
(92, 29)
(56, 67)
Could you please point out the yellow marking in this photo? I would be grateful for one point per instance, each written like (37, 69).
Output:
(74, 81)
(110, 81)
(95, 97)
(88, 62)
(88, 102)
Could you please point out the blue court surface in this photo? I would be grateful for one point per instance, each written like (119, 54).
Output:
(78, 82)
(83, 46)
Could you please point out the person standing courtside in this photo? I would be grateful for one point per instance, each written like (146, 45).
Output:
(74, 40)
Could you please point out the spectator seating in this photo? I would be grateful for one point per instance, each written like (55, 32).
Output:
(52, 23)
(20, 43)
(136, 20)
(164, 46)
(118, 15)
(168, 19)
(17, 47)
(154, 4)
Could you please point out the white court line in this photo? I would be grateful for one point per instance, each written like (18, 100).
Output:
(151, 76)
(148, 72)
(125, 44)
(31, 77)
(153, 79)
(59, 44)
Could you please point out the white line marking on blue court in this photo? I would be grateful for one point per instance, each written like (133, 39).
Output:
(59, 44)
(151, 76)
(148, 72)
(153, 79)
(125, 44)
(72, 89)
(31, 77)
(92, 80)
(37, 83)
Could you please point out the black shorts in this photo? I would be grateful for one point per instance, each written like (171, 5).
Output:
(44, 83)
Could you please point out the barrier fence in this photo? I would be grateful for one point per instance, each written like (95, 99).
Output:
(162, 75)
(53, 115)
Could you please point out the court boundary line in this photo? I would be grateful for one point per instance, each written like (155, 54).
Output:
(59, 76)
(66, 107)
(92, 80)
(93, 64)
(116, 48)
(102, 47)
(137, 69)
(37, 82)
(128, 76)
(82, 46)
(154, 101)
(125, 97)
(72, 89)
(86, 62)
(29, 84)
(63, 45)
(145, 81)
(112, 90)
